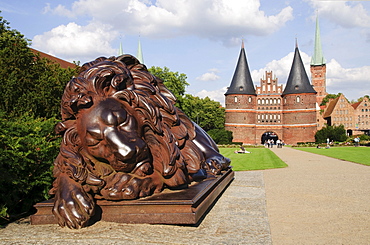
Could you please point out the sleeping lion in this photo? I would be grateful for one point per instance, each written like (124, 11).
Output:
(123, 138)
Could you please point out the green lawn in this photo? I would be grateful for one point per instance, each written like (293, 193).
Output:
(353, 154)
(258, 159)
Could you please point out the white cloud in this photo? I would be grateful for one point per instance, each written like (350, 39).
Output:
(217, 95)
(75, 42)
(170, 18)
(209, 76)
(352, 82)
(281, 68)
(347, 14)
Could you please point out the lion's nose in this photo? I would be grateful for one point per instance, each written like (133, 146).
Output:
(121, 144)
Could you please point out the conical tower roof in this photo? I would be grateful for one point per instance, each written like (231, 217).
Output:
(317, 57)
(298, 80)
(242, 81)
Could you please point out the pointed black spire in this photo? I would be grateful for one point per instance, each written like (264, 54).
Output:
(298, 80)
(242, 81)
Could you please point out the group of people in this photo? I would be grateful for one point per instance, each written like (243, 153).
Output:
(270, 143)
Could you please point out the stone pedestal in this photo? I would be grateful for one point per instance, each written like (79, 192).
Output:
(185, 206)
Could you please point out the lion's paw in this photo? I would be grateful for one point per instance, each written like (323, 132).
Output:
(216, 164)
(124, 186)
(73, 207)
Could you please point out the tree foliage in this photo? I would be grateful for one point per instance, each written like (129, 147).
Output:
(207, 113)
(328, 97)
(335, 133)
(221, 136)
(31, 88)
(28, 83)
(174, 81)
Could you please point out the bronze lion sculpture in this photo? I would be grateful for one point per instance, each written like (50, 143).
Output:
(123, 138)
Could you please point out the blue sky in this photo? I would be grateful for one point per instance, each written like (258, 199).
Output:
(203, 38)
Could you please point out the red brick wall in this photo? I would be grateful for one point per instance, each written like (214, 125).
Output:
(318, 78)
(298, 121)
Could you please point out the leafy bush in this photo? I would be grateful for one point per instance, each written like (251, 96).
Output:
(221, 136)
(27, 151)
(335, 133)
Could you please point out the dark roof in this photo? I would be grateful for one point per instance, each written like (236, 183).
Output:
(298, 80)
(242, 81)
(330, 108)
(62, 63)
(355, 105)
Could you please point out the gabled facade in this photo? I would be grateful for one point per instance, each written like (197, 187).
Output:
(340, 112)
(362, 115)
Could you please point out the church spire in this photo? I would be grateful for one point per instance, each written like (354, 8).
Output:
(139, 55)
(120, 51)
(317, 57)
(298, 80)
(242, 81)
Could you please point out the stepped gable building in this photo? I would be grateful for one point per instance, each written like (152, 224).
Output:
(271, 112)
(362, 116)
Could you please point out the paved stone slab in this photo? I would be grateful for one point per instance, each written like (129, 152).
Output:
(238, 217)
(318, 200)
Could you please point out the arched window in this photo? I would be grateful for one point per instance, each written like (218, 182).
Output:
(236, 99)
(250, 99)
(298, 99)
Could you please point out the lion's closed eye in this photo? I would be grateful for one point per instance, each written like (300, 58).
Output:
(93, 138)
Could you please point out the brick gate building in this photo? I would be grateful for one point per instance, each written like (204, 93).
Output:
(269, 111)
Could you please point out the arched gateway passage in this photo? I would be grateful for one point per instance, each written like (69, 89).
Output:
(269, 136)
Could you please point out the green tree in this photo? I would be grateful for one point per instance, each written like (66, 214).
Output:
(335, 133)
(221, 136)
(28, 83)
(174, 81)
(328, 97)
(207, 113)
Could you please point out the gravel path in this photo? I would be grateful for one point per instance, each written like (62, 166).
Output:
(318, 200)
